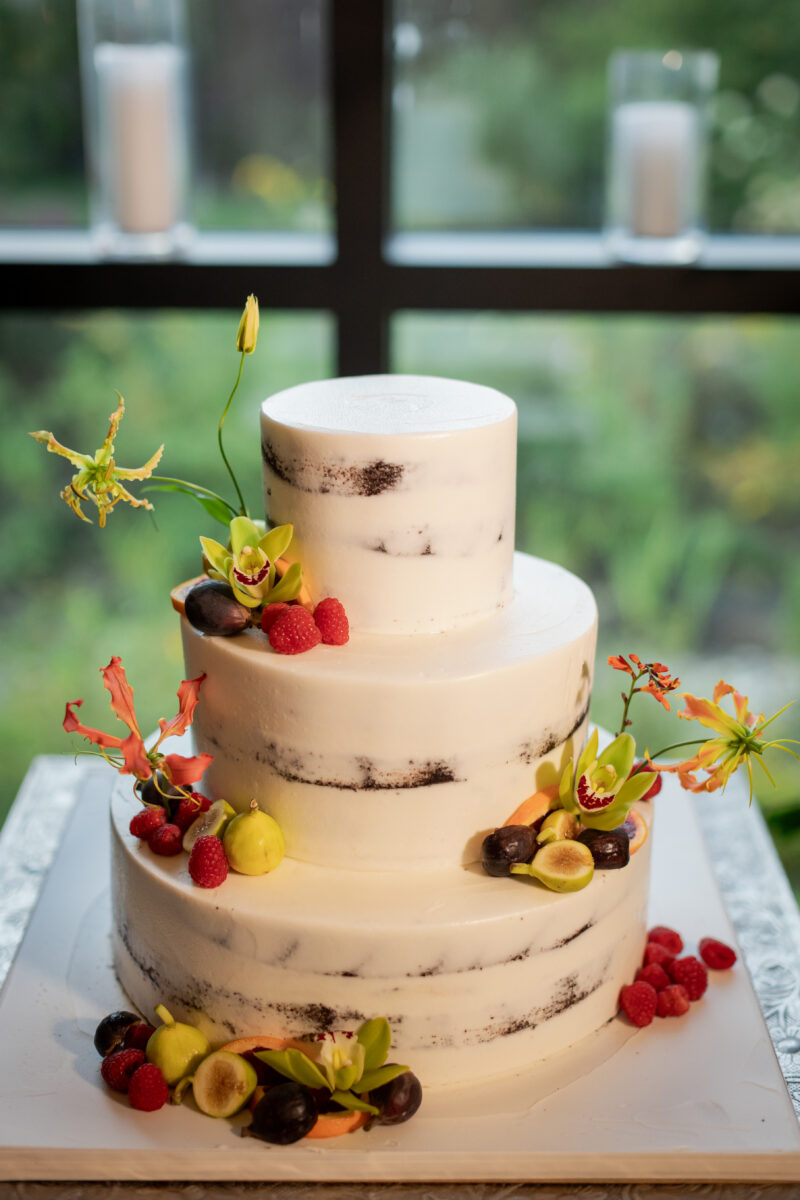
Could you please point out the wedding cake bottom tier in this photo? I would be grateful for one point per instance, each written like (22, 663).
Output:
(476, 975)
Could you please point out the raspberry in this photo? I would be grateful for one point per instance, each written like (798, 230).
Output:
(668, 938)
(673, 1001)
(716, 954)
(208, 865)
(691, 973)
(655, 975)
(188, 808)
(294, 632)
(167, 840)
(137, 1036)
(147, 1090)
(118, 1068)
(638, 1002)
(642, 765)
(331, 620)
(271, 613)
(653, 953)
(146, 822)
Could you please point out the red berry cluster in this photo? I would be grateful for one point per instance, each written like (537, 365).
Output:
(666, 985)
(292, 629)
(162, 832)
(125, 1068)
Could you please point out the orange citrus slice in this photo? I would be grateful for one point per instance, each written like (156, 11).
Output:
(536, 806)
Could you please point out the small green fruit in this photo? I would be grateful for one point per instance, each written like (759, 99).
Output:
(563, 866)
(175, 1048)
(253, 842)
(223, 1083)
(211, 822)
(556, 826)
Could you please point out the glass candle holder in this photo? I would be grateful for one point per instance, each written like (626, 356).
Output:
(658, 154)
(134, 79)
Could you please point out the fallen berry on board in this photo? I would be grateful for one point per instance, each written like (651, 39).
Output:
(638, 1002)
(655, 953)
(208, 865)
(331, 620)
(673, 1001)
(655, 975)
(144, 824)
(691, 973)
(294, 632)
(167, 840)
(118, 1068)
(668, 938)
(148, 1090)
(716, 954)
(271, 613)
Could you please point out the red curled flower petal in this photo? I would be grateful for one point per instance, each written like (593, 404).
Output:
(188, 694)
(73, 725)
(183, 770)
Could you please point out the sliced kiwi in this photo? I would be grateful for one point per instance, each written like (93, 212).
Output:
(223, 1083)
(556, 826)
(564, 866)
(212, 821)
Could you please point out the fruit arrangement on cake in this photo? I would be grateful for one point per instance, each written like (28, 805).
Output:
(393, 804)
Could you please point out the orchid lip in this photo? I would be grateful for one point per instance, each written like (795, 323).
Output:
(590, 800)
(251, 580)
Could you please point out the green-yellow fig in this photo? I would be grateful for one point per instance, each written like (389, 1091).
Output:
(175, 1048)
(253, 842)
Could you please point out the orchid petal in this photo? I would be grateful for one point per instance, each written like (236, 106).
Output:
(115, 682)
(243, 533)
(183, 770)
(72, 725)
(277, 541)
(216, 555)
(588, 754)
(188, 694)
(55, 447)
(708, 714)
(140, 472)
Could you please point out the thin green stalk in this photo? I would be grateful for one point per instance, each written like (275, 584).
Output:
(195, 488)
(243, 509)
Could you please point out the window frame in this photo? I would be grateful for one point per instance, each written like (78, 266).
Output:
(366, 273)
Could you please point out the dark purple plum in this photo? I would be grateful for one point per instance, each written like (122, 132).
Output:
(610, 848)
(398, 1099)
(111, 1031)
(508, 844)
(284, 1114)
(212, 608)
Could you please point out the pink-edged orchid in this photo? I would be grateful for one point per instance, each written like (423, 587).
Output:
(130, 755)
(600, 790)
(740, 741)
(98, 478)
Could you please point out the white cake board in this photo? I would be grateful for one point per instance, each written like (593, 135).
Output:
(696, 1099)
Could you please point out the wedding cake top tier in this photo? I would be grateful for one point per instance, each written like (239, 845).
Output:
(401, 490)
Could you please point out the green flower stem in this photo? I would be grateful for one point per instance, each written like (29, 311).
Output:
(679, 746)
(631, 694)
(243, 509)
(195, 488)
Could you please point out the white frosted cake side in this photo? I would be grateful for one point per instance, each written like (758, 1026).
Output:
(397, 753)
(401, 490)
(476, 975)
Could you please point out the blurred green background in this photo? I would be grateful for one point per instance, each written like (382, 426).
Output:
(658, 457)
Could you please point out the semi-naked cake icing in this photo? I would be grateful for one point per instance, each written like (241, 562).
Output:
(464, 688)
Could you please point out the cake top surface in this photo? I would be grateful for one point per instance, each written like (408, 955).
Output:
(388, 404)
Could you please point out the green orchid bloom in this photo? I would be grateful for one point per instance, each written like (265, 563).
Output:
(601, 790)
(98, 478)
(247, 563)
(345, 1063)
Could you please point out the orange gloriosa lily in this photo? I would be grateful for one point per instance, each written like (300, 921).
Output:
(133, 757)
(740, 741)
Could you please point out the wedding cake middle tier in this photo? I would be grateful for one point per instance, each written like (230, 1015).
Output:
(401, 752)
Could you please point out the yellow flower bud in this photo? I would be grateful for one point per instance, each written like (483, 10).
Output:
(247, 335)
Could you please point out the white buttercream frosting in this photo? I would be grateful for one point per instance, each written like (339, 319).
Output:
(396, 753)
(401, 489)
